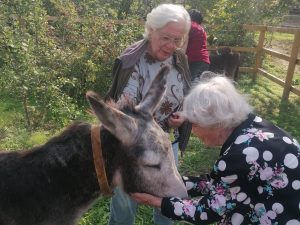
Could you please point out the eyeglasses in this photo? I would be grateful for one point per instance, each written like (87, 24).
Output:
(166, 39)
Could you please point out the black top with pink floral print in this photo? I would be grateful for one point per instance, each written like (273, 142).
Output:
(256, 180)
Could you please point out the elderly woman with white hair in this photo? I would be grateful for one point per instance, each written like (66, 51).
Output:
(255, 180)
(166, 29)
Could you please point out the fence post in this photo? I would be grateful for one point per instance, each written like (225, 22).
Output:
(291, 67)
(259, 51)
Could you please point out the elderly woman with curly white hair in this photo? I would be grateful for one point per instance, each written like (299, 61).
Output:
(255, 180)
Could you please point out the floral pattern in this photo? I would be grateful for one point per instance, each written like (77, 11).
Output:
(274, 177)
(256, 180)
(140, 80)
(166, 108)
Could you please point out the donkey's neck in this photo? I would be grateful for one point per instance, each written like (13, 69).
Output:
(55, 182)
(111, 154)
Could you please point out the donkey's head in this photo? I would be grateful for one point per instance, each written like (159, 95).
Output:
(145, 157)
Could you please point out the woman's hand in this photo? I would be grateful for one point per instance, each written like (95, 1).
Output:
(176, 119)
(147, 199)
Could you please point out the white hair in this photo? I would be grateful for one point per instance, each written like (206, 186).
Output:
(214, 101)
(165, 13)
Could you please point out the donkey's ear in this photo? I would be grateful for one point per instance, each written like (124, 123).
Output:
(118, 123)
(155, 92)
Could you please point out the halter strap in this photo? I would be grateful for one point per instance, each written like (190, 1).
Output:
(99, 162)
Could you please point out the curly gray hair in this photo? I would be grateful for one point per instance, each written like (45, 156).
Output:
(165, 13)
(214, 101)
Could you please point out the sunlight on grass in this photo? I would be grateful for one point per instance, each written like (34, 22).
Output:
(98, 214)
(37, 138)
(276, 36)
(197, 159)
(265, 96)
(280, 36)
(10, 112)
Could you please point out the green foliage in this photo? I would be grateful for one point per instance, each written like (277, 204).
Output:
(50, 64)
(224, 18)
(266, 97)
(98, 214)
(25, 47)
(37, 138)
(198, 159)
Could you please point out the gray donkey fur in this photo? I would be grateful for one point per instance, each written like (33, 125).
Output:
(54, 184)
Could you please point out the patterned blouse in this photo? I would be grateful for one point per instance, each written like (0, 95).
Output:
(256, 180)
(140, 80)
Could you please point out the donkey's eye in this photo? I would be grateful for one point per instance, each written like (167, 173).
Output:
(154, 166)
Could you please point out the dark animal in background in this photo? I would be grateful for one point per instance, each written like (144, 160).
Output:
(54, 184)
(212, 40)
(225, 61)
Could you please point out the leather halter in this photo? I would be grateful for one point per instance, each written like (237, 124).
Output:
(99, 162)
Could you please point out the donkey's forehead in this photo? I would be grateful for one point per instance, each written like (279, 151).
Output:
(153, 145)
(153, 136)
(146, 131)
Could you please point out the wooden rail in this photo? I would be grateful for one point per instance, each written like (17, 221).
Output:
(292, 59)
(260, 50)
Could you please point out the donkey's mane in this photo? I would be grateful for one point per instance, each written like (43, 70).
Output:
(77, 128)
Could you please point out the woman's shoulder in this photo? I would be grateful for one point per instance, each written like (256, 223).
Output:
(133, 47)
(132, 54)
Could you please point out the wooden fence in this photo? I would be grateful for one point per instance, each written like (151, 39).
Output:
(260, 50)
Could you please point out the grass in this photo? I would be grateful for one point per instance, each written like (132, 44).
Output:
(263, 94)
(280, 36)
(13, 132)
(282, 43)
(266, 97)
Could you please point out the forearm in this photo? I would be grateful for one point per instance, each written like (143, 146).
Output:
(188, 210)
(197, 186)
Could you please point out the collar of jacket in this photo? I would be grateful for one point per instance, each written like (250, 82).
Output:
(132, 54)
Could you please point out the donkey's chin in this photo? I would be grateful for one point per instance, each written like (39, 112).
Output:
(178, 191)
(174, 190)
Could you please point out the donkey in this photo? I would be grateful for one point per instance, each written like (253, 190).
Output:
(224, 60)
(54, 184)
